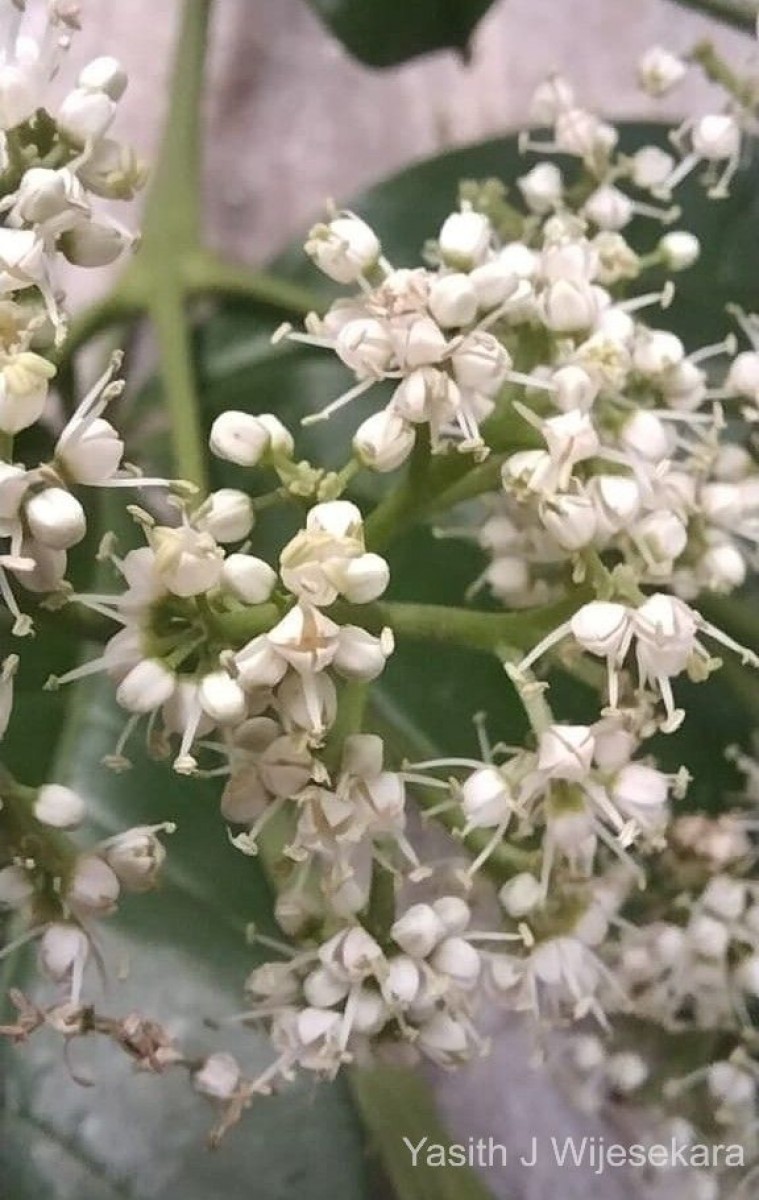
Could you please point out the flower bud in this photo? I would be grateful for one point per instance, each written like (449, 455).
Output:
(364, 344)
(93, 456)
(14, 482)
(568, 307)
(571, 520)
(453, 912)
(344, 249)
(93, 887)
(626, 1072)
(486, 798)
(639, 787)
(445, 1040)
(16, 887)
(601, 627)
(542, 187)
(493, 282)
(322, 988)
(464, 239)
(136, 857)
(659, 71)
(647, 436)
(609, 208)
(23, 390)
(566, 752)
(614, 746)
(574, 389)
(365, 578)
(716, 137)
(458, 960)
(418, 931)
(424, 344)
(729, 1084)
(651, 167)
(222, 698)
(402, 982)
(657, 351)
(187, 560)
(679, 249)
(145, 687)
(239, 438)
(384, 441)
(481, 363)
(661, 536)
(616, 499)
(520, 895)
(63, 947)
(722, 567)
(59, 807)
(708, 937)
(452, 300)
(104, 74)
(56, 518)
(95, 243)
(725, 897)
(360, 655)
(285, 766)
(227, 515)
(248, 578)
(218, 1078)
(743, 375)
(84, 115)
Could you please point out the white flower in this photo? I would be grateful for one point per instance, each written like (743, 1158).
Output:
(542, 187)
(227, 515)
(418, 931)
(137, 856)
(384, 441)
(659, 71)
(464, 239)
(59, 807)
(24, 379)
(93, 888)
(248, 578)
(245, 439)
(222, 698)
(452, 300)
(56, 518)
(566, 752)
(188, 561)
(679, 250)
(344, 249)
(146, 687)
(520, 895)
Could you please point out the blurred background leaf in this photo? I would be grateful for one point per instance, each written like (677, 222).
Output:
(382, 33)
(741, 14)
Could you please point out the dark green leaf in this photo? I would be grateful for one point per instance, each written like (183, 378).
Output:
(384, 32)
(741, 14)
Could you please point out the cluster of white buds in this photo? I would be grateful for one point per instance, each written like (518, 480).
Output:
(171, 655)
(56, 890)
(422, 986)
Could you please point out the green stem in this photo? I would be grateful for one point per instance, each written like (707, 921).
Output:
(173, 207)
(204, 273)
(717, 70)
(504, 432)
(175, 350)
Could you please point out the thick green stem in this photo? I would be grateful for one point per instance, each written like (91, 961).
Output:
(175, 352)
(474, 630)
(173, 208)
(717, 70)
